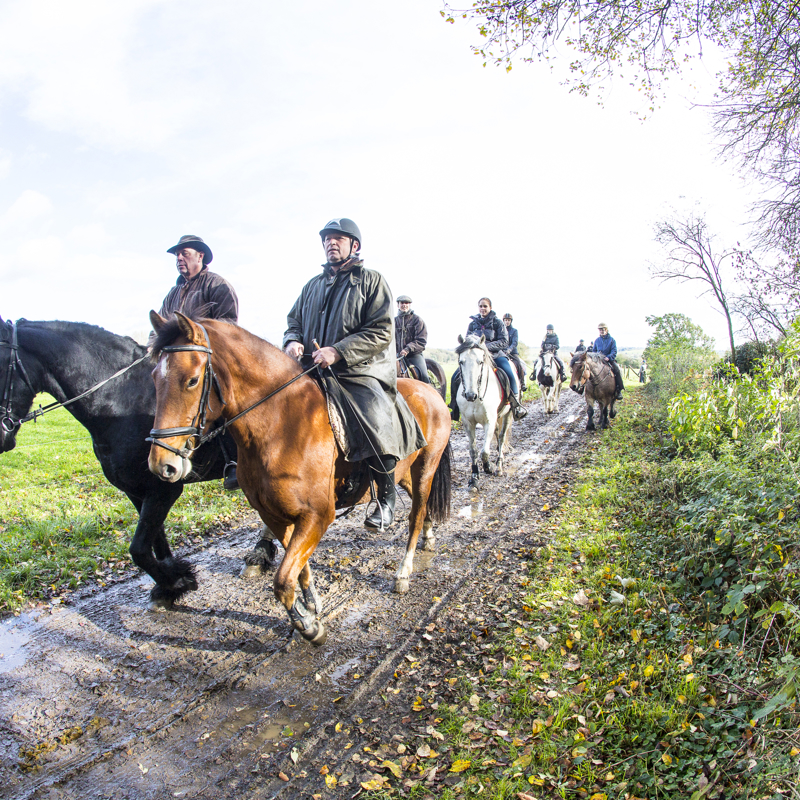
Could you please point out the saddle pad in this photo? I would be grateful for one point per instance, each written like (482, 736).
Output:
(337, 425)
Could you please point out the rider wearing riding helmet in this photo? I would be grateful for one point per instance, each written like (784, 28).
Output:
(410, 337)
(550, 342)
(607, 346)
(342, 322)
(487, 324)
(511, 351)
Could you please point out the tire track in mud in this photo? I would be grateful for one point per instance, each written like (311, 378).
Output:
(104, 699)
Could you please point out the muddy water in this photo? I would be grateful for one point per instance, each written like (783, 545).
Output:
(104, 699)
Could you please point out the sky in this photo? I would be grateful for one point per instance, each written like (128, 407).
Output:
(126, 125)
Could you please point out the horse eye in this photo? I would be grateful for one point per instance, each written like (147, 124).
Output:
(193, 382)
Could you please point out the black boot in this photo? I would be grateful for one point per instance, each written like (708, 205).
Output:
(383, 473)
(230, 483)
(517, 409)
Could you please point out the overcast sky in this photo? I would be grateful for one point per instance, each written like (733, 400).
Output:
(125, 125)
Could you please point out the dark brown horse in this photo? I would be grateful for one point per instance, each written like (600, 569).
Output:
(594, 378)
(290, 467)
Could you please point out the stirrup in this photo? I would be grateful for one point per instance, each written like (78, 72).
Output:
(230, 482)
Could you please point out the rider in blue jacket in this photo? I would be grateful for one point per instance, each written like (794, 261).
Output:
(607, 346)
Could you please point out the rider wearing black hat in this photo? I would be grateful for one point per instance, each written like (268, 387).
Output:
(410, 337)
(347, 311)
(199, 293)
(581, 347)
(550, 342)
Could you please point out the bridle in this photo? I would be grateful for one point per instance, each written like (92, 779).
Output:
(195, 430)
(486, 356)
(7, 421)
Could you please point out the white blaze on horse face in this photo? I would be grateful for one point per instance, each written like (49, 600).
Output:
(163, 366)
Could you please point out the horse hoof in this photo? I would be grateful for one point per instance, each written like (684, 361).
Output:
(161, 604)
(318, 637)
(401, 586)
(252, 571)
(429, 544)
(473, 486)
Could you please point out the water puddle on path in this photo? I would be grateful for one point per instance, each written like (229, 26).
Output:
(474, 509)
(15, 633)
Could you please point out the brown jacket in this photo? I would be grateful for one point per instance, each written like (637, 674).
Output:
(205, 295)
(410, 333)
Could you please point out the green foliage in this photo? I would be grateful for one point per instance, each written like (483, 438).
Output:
(748, 357)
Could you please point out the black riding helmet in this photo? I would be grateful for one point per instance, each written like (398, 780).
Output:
(508, 316)
(342, 225)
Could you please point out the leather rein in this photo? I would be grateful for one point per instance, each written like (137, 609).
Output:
(7, 420)
(195, 430)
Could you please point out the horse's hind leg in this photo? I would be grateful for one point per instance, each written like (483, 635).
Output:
(423, 472)
(502, 440)
(590, 414)
(473, 455)
(488, 436)
(262, 556)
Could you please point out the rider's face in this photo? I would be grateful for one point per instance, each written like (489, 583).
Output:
(338, 247)
(484, 308)
(603, 331)
(404, 307)
(189, 262)
(507, 322)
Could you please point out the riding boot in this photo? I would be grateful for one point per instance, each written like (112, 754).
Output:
(383, 472)
(230, 483)
(517, 409)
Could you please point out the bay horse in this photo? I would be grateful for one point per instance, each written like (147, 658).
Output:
(481, 401)
(67, 358)
(593, 377)
(548, 376)
(289, 464)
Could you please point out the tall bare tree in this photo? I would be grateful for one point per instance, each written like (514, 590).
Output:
(691, 256)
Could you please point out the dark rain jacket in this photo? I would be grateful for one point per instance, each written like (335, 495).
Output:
(493, 328)
(351, 311)
(205, 295)
(550, 341)
(513, 340)
(410, 333)
(606, 345)
(580, 348)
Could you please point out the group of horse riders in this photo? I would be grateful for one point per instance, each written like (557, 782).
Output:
(342, 323)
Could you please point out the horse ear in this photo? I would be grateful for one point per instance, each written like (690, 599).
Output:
(571, 355)
(157, 321)
(460, 339)
(188, 329)
(483, 338)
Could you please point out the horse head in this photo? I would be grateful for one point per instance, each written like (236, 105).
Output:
(183, 378)
(579, 369)
(16, 391)
(473, 358)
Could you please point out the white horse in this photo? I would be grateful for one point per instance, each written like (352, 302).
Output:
(548, 376)
(479, 400)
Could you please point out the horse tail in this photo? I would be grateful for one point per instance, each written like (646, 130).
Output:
(441, 486)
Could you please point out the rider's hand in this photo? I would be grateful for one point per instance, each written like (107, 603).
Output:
(294, 349)
(326, 356)
(403, 353)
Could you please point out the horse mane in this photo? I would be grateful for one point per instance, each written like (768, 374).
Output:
(471, 343)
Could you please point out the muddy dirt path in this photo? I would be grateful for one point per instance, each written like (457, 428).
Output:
(104, 699)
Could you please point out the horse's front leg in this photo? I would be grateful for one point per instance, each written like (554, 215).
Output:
(149, 548)
(473, 454)
(300, 544)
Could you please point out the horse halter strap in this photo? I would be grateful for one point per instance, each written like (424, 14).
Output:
(7, 421)
(194, 431)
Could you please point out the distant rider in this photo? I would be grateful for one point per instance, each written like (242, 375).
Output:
(606, 345)
(198, 293)
(551, 343)
(581, 347)
(486, 323)
(512, 352)
(410, 337)
(643, 371)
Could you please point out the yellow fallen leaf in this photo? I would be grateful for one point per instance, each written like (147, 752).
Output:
(794, 751)
(648, 670)
(460, 765)
(330, 781)
(636, 635)
(545, 507)
(666, 758)
(687, 658)
(373, 785)
(393, 768)
(338, 727)
(538, 727)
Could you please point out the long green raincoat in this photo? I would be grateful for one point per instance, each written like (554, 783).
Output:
(351, 311)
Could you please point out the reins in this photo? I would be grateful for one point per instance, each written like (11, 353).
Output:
(195, 431)
(7, 421)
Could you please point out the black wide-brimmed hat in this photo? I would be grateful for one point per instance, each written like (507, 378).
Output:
(196, 243)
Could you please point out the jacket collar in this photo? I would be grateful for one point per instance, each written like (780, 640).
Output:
(354, 268)
(181, 280)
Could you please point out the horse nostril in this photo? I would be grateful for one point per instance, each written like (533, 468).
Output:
(169, 470)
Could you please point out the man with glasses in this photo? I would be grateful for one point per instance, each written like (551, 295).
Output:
(605, 345)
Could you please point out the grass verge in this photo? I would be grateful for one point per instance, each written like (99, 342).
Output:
(606, 681)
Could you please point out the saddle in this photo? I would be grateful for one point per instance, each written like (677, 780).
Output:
(505, 386)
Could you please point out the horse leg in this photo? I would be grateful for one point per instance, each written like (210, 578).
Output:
(423, 472)
(502, 438)
(473, 455)
(262, 556)
(150, 550)
(488, 436)
(300, 544)
(590, 414)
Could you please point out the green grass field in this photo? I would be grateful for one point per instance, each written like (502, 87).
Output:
(62, 523)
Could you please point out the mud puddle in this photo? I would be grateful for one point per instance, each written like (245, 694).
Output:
(102, 698)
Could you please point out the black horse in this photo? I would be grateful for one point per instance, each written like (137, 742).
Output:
(67, 358)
